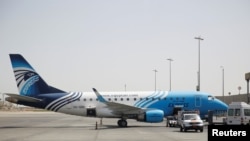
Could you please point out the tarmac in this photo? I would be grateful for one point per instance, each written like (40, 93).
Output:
(50, 126)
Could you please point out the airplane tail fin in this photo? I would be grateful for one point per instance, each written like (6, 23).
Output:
(29, 82)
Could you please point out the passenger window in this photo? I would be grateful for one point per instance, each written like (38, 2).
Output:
(247, 112)
(230, 112)
(237, 112)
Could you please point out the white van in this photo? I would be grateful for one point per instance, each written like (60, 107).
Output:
(238, 113)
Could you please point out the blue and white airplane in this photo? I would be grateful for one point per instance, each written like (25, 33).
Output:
(148, 106)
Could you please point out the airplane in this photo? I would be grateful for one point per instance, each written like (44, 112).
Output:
(143, 106)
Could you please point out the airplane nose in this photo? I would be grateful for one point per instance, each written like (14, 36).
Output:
(222, 105)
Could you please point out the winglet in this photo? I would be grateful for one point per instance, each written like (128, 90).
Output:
(100, 98)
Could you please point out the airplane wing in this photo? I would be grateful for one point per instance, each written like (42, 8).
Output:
(16, 97)
(119, 108)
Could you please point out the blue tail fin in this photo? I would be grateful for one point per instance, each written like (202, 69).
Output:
(29, 82)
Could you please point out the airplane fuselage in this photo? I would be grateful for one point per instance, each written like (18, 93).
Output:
(87, 104)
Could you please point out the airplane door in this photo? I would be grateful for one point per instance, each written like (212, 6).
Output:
(197, 101)
(176, 109)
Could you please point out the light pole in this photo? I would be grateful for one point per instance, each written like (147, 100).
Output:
(231, 99)
(247, 77)
(222, 83)
(170, 60)
(199, 39)
(239, 88)
(155, 77)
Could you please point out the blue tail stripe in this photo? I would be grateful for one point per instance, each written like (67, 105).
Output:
(141, 101)
(57, 102)
(148, 101)
(68, 102)
(155, 100)
(64, 100)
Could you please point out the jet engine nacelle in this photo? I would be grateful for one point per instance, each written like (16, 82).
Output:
(151, 116)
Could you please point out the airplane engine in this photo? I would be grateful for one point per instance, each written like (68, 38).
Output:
(151, 116)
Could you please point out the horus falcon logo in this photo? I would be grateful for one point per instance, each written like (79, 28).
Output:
(26, 80)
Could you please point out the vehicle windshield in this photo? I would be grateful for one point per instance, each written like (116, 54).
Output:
(192, 117)
(247, 112)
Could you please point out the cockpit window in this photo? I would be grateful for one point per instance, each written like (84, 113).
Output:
(210, 97)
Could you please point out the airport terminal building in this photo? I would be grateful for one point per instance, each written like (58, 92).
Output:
(234, 98)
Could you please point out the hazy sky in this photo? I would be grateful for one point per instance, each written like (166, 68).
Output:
(76, 45)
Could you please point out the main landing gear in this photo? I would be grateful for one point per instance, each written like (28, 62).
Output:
(122, 123)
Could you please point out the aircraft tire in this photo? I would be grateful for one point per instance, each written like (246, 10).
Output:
(119, 123)
(122, 123)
